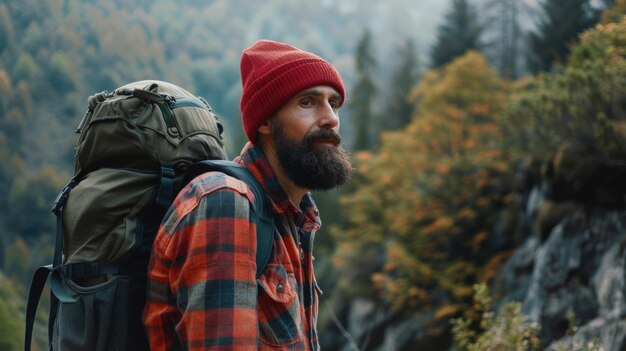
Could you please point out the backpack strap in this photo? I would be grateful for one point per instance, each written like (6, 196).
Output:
(36, 288)
(165, 194)
(44, 272)
(264, 217)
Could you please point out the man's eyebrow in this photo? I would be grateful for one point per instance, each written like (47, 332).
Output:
(318, 92)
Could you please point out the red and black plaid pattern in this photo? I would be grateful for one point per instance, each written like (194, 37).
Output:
(202, 290)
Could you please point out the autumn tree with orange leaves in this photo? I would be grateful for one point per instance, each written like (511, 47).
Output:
(426, 204)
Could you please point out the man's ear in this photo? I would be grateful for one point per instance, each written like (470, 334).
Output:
(265, 127)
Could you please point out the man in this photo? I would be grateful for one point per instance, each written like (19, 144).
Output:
(203, 293)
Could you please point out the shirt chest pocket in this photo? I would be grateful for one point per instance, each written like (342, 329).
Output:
(280, 322)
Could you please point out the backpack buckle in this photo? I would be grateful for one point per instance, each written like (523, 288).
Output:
(61, 199)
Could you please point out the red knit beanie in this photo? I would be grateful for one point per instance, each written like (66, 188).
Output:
(272, 73)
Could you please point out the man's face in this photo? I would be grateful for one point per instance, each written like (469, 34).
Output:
(308, 145)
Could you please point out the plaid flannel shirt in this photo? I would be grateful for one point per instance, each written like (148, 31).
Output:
(202, 289)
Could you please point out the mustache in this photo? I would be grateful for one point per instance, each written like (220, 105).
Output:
(323, 134)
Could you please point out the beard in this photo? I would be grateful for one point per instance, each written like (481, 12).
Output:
(313, 167)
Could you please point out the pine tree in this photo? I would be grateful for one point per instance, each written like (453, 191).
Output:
(503, 35)
(399, 109)
(6, 28)
(558, 29)
(364, 92)
(459, 32)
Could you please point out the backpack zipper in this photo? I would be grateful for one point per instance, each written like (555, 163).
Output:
(168, 117)
(174, 103)
(188, 102)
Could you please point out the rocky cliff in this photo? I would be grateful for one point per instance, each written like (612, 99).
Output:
(568, 270)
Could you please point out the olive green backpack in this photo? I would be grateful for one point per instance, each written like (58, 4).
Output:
(137, 147)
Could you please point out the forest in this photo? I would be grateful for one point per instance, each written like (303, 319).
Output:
(439, 132)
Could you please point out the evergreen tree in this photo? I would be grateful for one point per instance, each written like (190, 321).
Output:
(399, 109)
(364, 92)
(503, 37)
(459, 32)
(6, 28)
(557, 30)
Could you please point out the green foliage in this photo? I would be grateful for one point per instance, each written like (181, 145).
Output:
(509, 329)
(581, 104)
(14, 124)
(60, 73)
(557, 30)
(11, 325)
(17, 260)
(9, 170)
(23, 100)
(459, 33)
(26, 69)
(29, 202)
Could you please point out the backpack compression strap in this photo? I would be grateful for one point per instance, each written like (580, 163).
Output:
(264, 216)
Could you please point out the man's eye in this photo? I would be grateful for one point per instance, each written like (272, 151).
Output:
(334, 104)
(306, 102)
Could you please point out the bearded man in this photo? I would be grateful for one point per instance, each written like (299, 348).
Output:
(203, 293)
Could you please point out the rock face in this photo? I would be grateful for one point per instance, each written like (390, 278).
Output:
(576, 274)
(569, 272)
(572, 283)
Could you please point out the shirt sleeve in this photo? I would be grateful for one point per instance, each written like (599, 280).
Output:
(202, 289)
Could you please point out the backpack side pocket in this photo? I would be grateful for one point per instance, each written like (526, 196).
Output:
(98, 317)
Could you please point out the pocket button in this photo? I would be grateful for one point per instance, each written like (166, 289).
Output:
(280, 288)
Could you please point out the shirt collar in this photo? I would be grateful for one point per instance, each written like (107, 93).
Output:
(253, 158)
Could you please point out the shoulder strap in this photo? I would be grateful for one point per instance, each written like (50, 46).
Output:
(43, 272)
(36, 289)
(264, 219)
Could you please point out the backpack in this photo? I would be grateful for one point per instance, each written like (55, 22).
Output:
(137, 147)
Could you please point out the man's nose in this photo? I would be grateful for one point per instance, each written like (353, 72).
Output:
(329, 117)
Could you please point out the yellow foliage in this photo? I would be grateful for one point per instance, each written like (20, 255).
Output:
(447, 311)
(442, 168)
(363, 156)
(614, 13)
(466, 214)
(491, 268)
(5, 83)
(440, 224)
(462, 291)
(478, 240)
(470, 143)
(483, 202)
